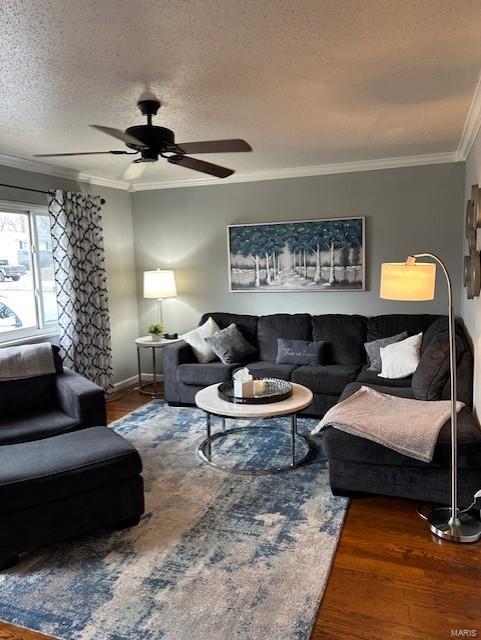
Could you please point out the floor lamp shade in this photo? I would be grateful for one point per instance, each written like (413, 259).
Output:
(410, 281)
(159, 284)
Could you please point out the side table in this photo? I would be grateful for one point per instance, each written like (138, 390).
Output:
(146, 342)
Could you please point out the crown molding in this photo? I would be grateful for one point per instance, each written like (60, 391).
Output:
(60, 172)
(257, 176)
(302, 172)
(472, 124)
(111, 183)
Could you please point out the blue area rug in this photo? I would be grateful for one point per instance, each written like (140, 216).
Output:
(216, 557)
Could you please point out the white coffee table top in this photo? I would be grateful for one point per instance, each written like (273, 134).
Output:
(209, 400)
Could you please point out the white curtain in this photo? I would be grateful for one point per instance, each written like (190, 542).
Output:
(81, 283)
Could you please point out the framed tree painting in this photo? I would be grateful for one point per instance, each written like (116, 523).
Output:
(309, 255)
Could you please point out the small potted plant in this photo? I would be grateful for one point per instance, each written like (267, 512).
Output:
(156, 330)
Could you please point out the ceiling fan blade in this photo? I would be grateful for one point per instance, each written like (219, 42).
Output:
(81, 153)
(120, 135)
(202, 166)
(134, 171)
(214, 146)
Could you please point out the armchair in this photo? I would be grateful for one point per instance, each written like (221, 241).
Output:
(35, 408)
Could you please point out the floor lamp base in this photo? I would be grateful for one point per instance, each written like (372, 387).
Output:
(466, 529)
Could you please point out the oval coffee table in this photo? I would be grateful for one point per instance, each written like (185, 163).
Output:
(208, 400)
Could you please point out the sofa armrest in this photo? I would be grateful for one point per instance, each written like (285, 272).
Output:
(174, 355)
(81, 399)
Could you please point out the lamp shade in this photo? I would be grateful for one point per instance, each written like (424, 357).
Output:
(159, 284)
(413, 281)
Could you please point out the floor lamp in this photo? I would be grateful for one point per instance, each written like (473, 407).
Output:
(415, 281)
(159, 284)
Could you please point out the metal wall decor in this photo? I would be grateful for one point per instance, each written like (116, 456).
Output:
(472, 262)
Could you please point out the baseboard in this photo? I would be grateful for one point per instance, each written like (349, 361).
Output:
(128, 382)
(123, 384)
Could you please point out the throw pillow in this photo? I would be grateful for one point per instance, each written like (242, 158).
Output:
(400, 359)
(301, 352)
(230, 346)
(196, 338)
(373, 349)
(432, 374)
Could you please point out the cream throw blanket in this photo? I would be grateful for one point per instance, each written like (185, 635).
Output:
(26, 361)
(410, 427)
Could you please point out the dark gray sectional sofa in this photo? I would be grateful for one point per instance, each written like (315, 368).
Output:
(345, 356)
(356, 465)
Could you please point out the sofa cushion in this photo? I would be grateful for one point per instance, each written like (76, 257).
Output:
(464, 379)
(34, 425)
(344, 335)
(247, 324)
(433, 370)
(432, 374)
(366, 376)
(327, 379)
(263, 369)
(57, 358)
(230, 345)
(390, 325)
(441, 327)
(205, 374)
(281, 325)
(39, 391)
(32, 473)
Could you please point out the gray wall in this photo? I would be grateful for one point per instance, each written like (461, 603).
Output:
(407, 210)
(471, 309)
(119, 254)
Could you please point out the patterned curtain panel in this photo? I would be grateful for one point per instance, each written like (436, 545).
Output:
(81, 282)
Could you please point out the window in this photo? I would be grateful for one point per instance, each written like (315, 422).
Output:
(28, 305)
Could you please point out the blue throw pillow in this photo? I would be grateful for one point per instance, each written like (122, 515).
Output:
(300, 352)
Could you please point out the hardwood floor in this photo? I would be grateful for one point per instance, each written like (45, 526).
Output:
(391, 579)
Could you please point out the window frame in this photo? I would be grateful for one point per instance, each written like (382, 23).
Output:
(42, 329)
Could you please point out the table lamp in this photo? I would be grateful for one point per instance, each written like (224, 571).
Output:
(159, 284)
(415, 281)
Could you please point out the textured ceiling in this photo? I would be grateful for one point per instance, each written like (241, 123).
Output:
(306, 82)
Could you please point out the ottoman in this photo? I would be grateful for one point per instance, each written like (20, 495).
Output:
(66, 486)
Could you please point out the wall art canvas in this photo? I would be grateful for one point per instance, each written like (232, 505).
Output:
(309, 255)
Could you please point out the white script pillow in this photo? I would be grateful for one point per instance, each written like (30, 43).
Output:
(196, 338)
(401, 359)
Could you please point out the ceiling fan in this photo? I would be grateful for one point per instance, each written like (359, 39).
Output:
(152, 142)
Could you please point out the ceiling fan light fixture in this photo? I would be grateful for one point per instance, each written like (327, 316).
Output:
(148, 103)
(148, 94)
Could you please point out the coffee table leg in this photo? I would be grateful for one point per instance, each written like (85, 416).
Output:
(223, 424)
(207, 424)
(293, 438)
